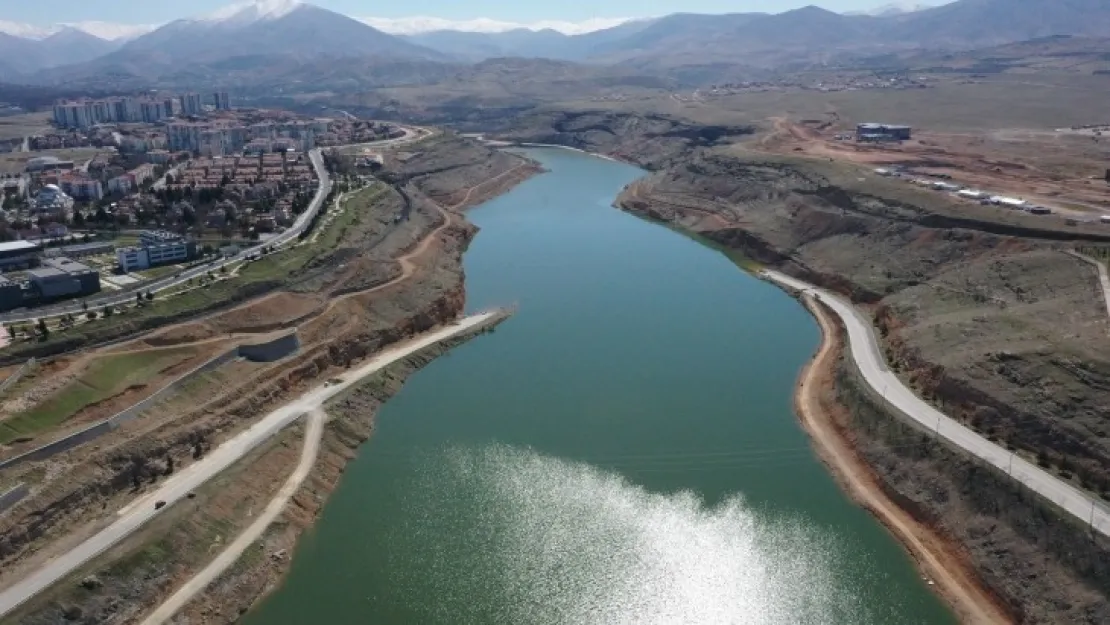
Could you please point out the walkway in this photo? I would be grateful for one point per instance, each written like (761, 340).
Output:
(866, 353)
(177, 487)
(313, 433)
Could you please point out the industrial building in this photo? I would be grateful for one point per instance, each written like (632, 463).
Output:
(19, 255)
(81, 250)
(60, 278)
(883, 132)
(11, 295)
(156, 247)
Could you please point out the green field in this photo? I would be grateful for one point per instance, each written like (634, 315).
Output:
(105, 378)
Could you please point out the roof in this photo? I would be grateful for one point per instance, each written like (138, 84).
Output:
(67, 265)
(17, 246)
(46, 272)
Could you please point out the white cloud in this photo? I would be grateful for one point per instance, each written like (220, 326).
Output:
(424, 24)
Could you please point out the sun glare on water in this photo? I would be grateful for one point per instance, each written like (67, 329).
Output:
(537, 540)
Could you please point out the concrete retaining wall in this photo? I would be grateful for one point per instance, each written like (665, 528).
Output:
(13, 496)
(273, 351)
(263, 352)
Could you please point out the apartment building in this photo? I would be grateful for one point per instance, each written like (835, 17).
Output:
(191, 104)
(81, 187)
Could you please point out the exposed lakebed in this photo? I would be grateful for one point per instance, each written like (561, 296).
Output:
(623, 450)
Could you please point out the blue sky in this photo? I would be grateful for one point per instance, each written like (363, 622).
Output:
(42, 12)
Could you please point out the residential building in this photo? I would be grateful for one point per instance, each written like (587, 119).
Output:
(191, 104)
(222, 101)
(80, 186)
(153, 110)
(184, 136)
(159, 157)
(120, 185)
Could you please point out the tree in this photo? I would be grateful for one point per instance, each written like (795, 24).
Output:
(108, 311)
(84, 305)
(138, 299)
(149, 295)
(91, 315)
(43, 330)
(11, 332)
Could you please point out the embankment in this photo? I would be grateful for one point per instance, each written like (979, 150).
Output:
(940, 559)
(351, 423)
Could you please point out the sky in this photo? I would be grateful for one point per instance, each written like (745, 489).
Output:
(46, 12)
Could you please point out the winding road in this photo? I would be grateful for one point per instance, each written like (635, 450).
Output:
(289, 235)
(142, 510)
(868, 357)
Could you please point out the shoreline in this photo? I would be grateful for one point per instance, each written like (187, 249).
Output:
(939, 559)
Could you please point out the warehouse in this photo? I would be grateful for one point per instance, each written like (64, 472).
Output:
(11, 294)
(61, 278)
(883, 132)
(19, 255)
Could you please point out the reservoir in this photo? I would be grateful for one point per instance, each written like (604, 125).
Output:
(622, 451)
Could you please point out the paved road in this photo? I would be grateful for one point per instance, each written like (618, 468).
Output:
(177, 487)
(286, 237)
(865, 351)
(227, 558)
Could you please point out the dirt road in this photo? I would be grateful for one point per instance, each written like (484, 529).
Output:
(230, 555)
(940, 562)
(142, 510)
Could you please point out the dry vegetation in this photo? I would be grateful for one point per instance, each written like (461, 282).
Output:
(378, 280)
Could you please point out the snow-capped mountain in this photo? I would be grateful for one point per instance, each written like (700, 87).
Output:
(424, 24)
(246, 13)
(107, 31)
(897, 8)
(261, 31)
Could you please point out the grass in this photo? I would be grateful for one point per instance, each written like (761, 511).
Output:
(19, 126)
(251, 281)
(106, 377)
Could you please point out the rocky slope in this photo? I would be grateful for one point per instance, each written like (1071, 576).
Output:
(980, 310)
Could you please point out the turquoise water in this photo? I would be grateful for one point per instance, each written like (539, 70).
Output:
(622, 450)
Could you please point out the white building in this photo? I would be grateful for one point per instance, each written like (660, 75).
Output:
(137, 258)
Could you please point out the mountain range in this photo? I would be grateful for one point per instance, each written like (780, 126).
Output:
(258, 35)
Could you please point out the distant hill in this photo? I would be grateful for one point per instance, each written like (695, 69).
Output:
(21, 56)
(257, 41)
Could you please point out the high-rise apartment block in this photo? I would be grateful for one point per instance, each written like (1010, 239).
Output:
(191, 104)
(222, 101)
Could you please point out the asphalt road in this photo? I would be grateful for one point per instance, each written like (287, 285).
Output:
(865, 352)
(284, 238)
(178, 486)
